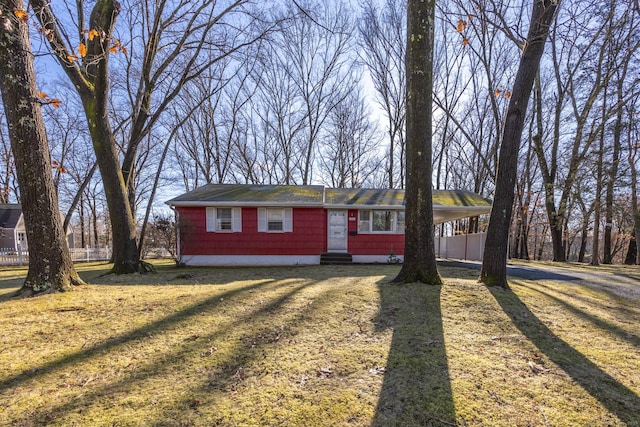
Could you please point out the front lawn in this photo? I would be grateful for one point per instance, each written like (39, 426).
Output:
(317, 346)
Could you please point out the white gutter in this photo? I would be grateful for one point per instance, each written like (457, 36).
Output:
(244, 204)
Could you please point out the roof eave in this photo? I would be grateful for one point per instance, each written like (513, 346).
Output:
(242, 204)
(362, 207)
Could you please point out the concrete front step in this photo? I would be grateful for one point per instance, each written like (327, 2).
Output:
(329, 258)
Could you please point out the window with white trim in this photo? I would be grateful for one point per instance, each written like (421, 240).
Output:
(381, 221)
(275, 220)
(224, 220)
(400, 224)
(364, 222)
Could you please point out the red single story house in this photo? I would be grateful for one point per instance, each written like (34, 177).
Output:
(244, 224)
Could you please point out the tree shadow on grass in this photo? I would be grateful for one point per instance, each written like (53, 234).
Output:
(616, 397)
(111, 343)
(165, 361)
(416, 390)
(597, 321)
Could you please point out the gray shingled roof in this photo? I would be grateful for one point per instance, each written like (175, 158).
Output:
(395, 198)
(364, 197)
(316, 195)
(9, 215)
(252, 195)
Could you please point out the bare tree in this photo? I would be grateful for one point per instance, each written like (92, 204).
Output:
(90, 77)
(494, 264)
(581, 47)
(50, 265)
(155, 74)
(489, 48)
(349, 157)
(277, 120)
(315, 45)
(209, 34)
(633, 144)
(8, 180)
(624, 50)
(383, 50)
(214, 105)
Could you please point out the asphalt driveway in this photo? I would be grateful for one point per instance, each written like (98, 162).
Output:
(624, 286)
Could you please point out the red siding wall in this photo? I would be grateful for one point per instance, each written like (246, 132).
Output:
(372, 244)
(309, 236)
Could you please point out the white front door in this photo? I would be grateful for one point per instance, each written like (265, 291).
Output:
(337, 226)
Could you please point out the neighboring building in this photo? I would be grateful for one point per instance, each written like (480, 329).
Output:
(243, 224)
(13, 235)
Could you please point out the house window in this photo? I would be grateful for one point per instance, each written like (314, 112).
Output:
(221, 220)
(400, 223)
(22, 241)
(275, 220)
(379, 221)
(383, 221)
(364, 223)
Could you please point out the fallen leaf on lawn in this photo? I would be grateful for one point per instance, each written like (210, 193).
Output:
(377, 370)
(537, 369)
(325, 372)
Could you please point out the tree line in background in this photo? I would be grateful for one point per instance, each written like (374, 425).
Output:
(169, 95)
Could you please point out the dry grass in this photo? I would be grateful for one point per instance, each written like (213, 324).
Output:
(317, 346)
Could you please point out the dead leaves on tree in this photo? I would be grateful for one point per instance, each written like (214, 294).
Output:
(45, 100)
(461, 27)
(115, 45)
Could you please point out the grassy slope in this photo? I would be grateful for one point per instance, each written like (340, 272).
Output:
(316, 346)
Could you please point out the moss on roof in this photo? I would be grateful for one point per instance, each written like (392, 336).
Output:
(458, 198)
(247, 193)
(364, 197)
(318, 195)
(371, 197)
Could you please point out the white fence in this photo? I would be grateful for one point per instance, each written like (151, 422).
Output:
(464, 246)
(13, 257)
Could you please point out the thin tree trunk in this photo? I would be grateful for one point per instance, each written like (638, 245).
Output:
(583, 242)
(494, 264)
(613, 172)
(83, 243)
(633, 143)
(78, 197)
(50, 265)
(595, 257)
(632, 250)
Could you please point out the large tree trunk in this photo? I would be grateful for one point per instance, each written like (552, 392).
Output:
(91, 80)
(419, 248)
(50, 265)
(123, 228)
(494, 264)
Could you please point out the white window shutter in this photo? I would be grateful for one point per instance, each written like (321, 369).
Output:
(236, 218)
(262, 220)
(287, 220)
(211, 219)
